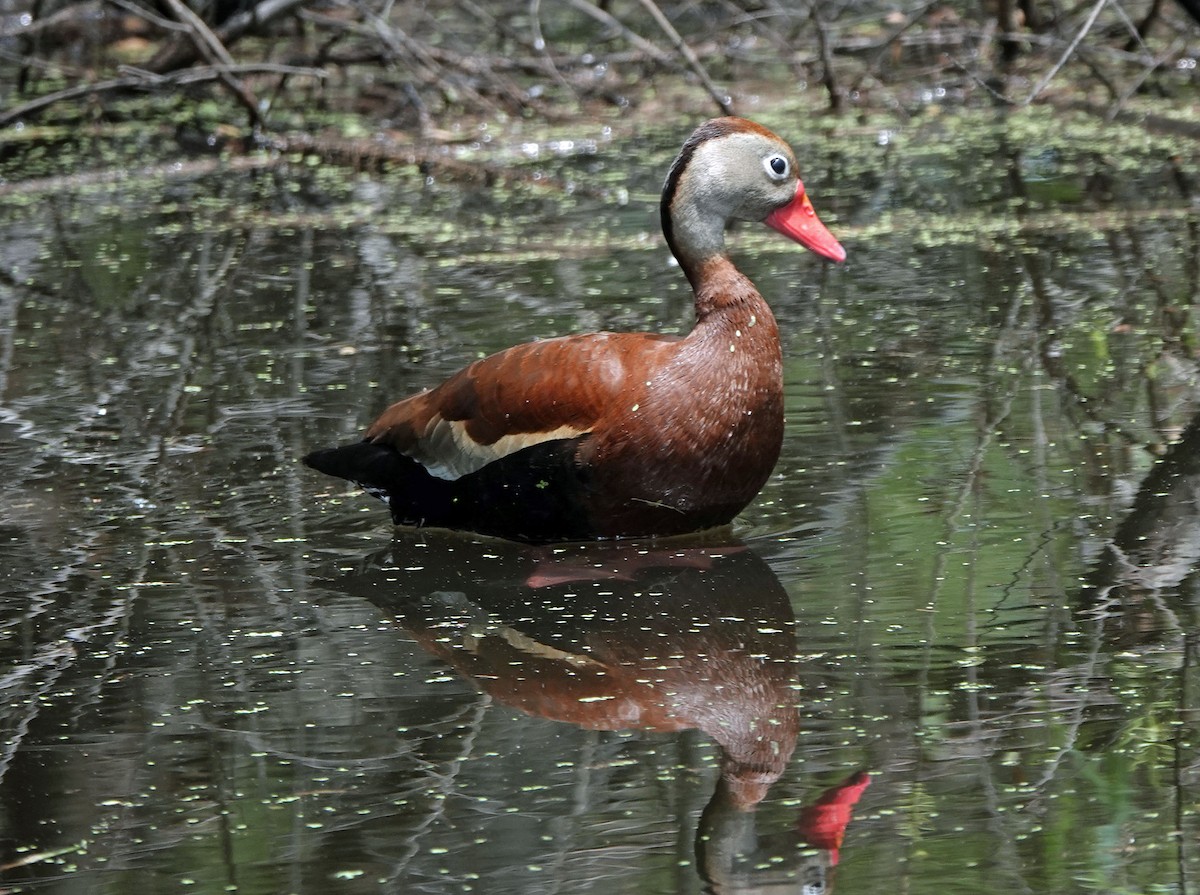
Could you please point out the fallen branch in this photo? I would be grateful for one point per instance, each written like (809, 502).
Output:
(373, 154)
(134, 79)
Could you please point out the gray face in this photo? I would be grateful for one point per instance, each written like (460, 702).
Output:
(737, 176)
(743, 176)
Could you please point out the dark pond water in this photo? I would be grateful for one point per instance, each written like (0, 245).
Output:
(951, 648)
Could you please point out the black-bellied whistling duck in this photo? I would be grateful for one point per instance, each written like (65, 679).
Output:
(615, 434)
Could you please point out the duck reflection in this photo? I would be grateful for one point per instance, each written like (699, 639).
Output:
(734, 857)
(658, 637)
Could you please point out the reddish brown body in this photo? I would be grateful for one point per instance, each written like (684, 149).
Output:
(612, 434)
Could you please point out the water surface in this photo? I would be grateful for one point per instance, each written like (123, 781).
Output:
(951, 647)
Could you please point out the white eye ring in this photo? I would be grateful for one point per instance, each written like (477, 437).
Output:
(776, 166)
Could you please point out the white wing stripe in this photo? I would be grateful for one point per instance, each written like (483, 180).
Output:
(448, 452)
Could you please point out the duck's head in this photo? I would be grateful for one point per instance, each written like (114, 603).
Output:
(733, 169)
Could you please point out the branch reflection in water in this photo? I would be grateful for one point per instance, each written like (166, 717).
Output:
(624, 636)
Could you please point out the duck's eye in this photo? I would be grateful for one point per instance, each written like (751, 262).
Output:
(777, 167)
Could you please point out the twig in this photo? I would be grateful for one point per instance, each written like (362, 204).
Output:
(1142, 29)
(146, 15)
(1135, 36)
(1174, 50)
(139, 78)
(50, 99)
(881, 50)
(689, 55)
(980, 82)
(179, 54)
(607, 19)
(783, 39)
(23, 27)
(828, 77)
(206, 42)
(210, 47)
(539, 44)
(1049, 76)
(426, 62)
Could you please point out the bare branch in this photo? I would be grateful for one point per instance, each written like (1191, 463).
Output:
(607, 19)
(211, 48)
(689, 56)
(1049, 76)
(181, 53)
(828, 76)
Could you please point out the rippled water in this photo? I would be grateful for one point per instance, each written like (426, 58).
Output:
(951, 647)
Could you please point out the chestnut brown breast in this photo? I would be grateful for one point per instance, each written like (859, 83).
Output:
(613, 434)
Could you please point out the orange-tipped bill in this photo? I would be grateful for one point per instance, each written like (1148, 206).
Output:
(798, 220)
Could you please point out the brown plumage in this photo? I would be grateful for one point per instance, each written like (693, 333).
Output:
(614, 434)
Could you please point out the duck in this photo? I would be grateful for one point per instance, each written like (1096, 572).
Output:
(615, 434)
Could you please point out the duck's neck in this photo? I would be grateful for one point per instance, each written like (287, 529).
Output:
(696, 240)
(724, 293)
